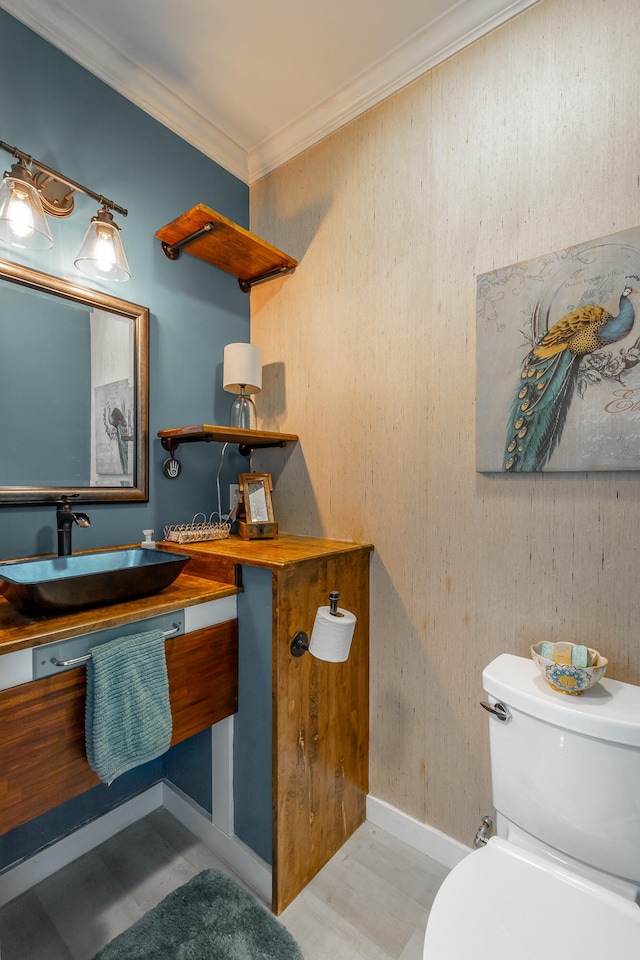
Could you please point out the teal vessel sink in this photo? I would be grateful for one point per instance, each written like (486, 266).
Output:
(59, 584)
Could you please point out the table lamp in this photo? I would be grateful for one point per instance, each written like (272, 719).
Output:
(242, 374)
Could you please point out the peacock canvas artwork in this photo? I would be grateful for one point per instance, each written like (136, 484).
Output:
(558, 379)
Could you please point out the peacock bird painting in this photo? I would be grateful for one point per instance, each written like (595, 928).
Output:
(549, 375)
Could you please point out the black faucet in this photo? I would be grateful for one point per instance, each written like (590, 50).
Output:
(65, 518)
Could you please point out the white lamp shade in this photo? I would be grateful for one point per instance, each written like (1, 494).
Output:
(242, 368)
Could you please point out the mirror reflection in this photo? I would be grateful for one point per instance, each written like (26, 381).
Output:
(73, 387)
(257, 502)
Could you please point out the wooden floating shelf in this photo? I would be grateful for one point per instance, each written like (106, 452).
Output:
(211, 237)
(247, 440)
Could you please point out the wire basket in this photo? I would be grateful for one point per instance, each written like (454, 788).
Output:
(195, 532)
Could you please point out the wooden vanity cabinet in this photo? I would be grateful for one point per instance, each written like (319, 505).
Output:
(42, 741)
(320, 723)
(319, 740)
(320, 710)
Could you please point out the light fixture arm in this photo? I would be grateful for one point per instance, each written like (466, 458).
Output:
(50, 172)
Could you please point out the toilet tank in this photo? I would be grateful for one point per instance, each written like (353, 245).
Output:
(566, 769)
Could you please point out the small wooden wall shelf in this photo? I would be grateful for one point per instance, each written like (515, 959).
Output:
(247, 440)
(211, 237)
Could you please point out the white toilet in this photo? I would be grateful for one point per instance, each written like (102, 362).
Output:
(562, 877)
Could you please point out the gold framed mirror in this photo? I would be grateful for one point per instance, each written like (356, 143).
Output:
(73, 391)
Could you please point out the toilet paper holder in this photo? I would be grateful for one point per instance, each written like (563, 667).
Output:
(300, 642)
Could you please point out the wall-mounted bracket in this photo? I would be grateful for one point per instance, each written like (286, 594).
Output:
(244, 448)
(247, 440)
(299, 644)
(246, 285)
(208, 235)
(172, 250)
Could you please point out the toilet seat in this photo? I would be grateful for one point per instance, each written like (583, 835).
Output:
(504, 901)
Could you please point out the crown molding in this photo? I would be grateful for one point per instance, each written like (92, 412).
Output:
(468, 21)
(52, 21)
(460, 26)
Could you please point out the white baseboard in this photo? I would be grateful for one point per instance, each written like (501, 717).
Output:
(240, 858)
(251, 868)
(243, 861)
(24, 875)
(435, 844)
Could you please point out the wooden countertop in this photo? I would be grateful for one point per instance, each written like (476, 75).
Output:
(19, 631)
(208, 576)
(282, 551)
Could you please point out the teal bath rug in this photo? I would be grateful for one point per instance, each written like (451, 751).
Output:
(209, 918)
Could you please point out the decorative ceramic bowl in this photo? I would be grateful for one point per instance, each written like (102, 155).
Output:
(567, 678)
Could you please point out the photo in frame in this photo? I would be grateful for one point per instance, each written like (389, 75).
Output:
(558, 360)
(114, 431)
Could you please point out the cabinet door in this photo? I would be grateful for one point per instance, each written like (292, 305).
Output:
(203, 678)
(42, 758)
(320, 724)
(42, 746)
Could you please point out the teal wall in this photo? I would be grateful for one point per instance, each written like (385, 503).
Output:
(252, 724)
(53, 411)
(56, 111)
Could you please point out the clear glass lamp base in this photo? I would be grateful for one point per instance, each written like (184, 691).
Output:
(243, 413)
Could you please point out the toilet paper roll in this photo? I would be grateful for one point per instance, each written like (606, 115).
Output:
(332, 635)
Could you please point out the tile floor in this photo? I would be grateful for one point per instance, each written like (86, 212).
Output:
(370, 902)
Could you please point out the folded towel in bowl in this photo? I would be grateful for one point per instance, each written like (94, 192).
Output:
(128, 714)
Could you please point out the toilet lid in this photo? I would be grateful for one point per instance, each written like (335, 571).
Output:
(502, 901)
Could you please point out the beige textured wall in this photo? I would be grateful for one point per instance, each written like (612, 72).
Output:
(524, 143)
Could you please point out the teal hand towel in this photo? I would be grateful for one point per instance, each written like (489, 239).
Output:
(128, 714)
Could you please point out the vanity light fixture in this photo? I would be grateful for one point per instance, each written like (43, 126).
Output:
(28, 195)
(101, 254)
(22, 219)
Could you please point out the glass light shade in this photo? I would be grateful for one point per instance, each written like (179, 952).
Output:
(22, 219)
(101, 255)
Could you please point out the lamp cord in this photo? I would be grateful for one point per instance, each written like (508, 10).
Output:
(221, 518)
(225, 518)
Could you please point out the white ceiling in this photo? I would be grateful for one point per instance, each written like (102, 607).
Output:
(252, 83)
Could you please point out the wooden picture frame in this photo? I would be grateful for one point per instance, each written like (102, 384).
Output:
(255, 489)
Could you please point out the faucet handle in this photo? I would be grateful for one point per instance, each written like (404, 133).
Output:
(63, 501)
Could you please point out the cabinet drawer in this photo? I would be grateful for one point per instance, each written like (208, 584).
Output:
(203, 678)
(42, 748)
